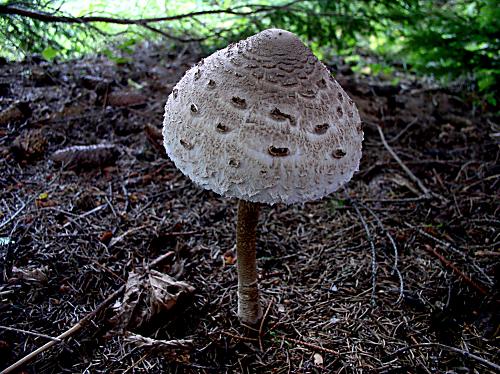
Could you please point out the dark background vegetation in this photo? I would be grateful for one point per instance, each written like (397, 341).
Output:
(448, 39)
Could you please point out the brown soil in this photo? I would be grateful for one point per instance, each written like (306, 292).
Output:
(71, 235)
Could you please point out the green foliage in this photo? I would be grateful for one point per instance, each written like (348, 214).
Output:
(20, 36)
(49, 53)
(449, 39)
(456, 39)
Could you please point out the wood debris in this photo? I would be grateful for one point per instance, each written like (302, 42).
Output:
(30, 145)
(14, 113)
(126, 99)
(86, 156)
(158, 344)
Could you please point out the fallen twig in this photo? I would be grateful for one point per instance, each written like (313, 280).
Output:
(396, 137)
(26, 203)
(372, 246)
(155, 344)
(96, 209)
(239, 337)
(408, 172)
(449, 246)
(128, 232)
(395, 268)
(8, 220)
(466, 188)
(262, 324)
(29, 333)
(456, 270)
(310, 345)
(448, 348)
(135, 364)
(181, 233)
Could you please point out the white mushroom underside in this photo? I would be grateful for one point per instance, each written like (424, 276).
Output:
(264, 121)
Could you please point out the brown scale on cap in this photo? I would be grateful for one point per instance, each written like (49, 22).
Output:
(279, 110)
(338, 153)
(321, 129)
(238, 102)
(222, 128)
(211, 84)
(280, 116)
(321, 83)
(186, 144)
(278, 151)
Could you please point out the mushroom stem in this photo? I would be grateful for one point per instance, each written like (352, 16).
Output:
(249, 310)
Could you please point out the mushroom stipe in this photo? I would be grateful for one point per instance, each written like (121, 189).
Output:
(268, 126)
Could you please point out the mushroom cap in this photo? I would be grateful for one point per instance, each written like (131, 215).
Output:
(263, 120)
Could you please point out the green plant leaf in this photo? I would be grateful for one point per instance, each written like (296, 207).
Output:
(49, 53)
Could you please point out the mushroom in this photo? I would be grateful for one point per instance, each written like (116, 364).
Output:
(262, 121)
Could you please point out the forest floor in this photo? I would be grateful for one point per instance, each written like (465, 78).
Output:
(425, 203)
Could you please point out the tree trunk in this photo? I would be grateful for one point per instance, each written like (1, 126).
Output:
(249, 310)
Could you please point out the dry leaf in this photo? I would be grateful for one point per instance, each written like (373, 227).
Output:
(30, 145)
(146, 295)
(30, 274)
(229, 258)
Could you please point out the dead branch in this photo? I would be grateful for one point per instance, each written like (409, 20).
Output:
(57, 17)
(48, 17)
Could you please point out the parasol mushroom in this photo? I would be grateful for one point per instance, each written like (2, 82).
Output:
(262, 121)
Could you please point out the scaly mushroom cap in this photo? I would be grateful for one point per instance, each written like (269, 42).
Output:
(263, 120)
